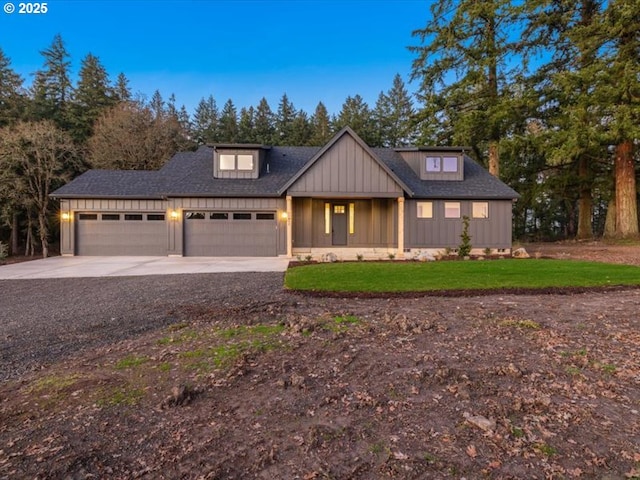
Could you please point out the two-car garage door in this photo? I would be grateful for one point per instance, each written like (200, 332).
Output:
(230, 234)
(205, 233)
(121, 233)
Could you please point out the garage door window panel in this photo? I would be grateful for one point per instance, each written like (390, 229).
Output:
(110, 217)
(219, 216)
(135, 217)
(155, 217)
(195, 216)
(88, 216)
(241, 216)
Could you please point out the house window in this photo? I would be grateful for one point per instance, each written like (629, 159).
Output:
(327, 218)
(339, 209)
(194, 216)
(441, 164)
(451, 209)
(450, 164)
(352, 218)
(235, 162)
(480, 210)
(245, 162)
(433, 164)
(425, 209)
(227, 162)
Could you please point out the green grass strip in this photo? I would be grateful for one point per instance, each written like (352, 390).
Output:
(458, 275)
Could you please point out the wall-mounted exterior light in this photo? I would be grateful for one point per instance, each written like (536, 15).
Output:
(284, 215)
(174, 215)
(66, 216)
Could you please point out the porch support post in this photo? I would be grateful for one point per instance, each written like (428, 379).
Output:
(289, 226)
(400, 253)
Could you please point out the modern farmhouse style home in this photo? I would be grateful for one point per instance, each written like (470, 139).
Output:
(254, 200)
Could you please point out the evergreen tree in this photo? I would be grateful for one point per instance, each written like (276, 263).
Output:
(185, 122)
(52, 89)
(171, 106)
(565, 85)
(229, 123)
(300, 130)
(621, 87)
(463, 73)
(157, 105)
(246, 127)
(284, 121)
(355, 113)
(206, 122)
(320, 126)
(93, 95)
(121, 89)
(264, 123)
(12, 98)
(393, 115)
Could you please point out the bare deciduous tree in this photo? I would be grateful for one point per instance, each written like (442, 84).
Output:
(34, 158)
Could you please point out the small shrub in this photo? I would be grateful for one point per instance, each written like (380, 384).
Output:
(464, 249)
(359, 257)
(308, 258)
(487, 251)
(391, 256)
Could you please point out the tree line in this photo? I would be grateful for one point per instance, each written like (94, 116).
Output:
(546, 93)
(54, 130)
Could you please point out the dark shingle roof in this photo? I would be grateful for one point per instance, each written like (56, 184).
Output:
(477, 183)
(113, 183)
(190, 174)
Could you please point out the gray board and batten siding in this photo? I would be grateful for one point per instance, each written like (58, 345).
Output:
(440, 232)
(346, 169)
(373, 222)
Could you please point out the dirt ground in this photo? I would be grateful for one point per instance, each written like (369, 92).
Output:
(496, 386)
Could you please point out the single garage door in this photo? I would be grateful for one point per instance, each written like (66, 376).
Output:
(121, 233)
(230, 234)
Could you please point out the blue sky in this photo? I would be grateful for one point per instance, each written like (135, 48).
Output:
(312, 50)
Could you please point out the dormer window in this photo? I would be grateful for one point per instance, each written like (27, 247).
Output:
(236, 162)
(445, 164)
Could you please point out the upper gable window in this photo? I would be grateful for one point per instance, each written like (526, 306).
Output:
(245, 162)
(450, 164)
(441, 164)
(227, 162)
(235, 162)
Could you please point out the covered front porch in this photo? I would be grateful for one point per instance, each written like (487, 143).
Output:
(350, 228)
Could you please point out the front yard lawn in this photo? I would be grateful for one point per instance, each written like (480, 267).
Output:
(458, 275)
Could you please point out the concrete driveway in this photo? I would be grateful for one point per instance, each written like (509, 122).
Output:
(70, 267)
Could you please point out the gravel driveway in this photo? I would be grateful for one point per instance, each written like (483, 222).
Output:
(42, 321)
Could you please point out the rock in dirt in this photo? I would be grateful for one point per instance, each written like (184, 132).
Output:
(483, 423)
